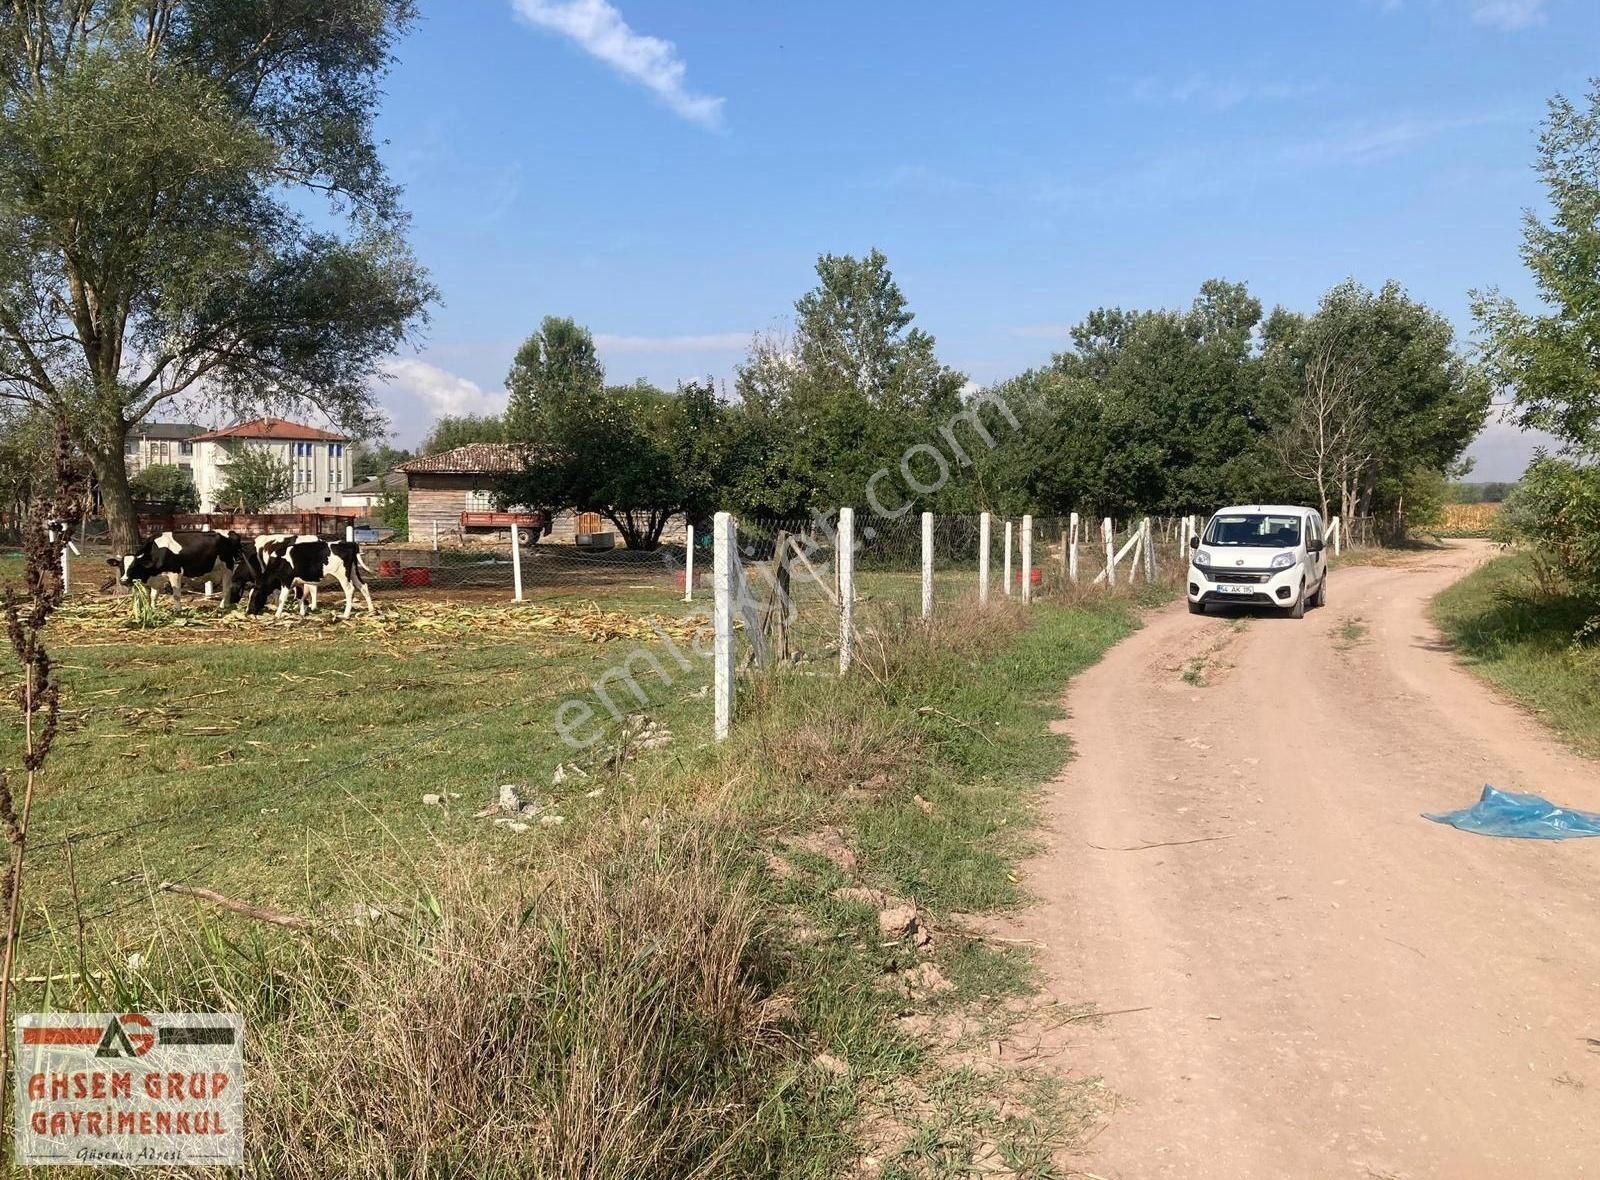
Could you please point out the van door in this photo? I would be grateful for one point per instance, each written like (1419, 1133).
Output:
(1317, 563)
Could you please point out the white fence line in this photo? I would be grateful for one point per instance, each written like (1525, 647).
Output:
(1114, 558)
(723, 558)
(688, 563)
(1027, 560)
(845, 563)
(985, 529)
(1007, 570)
(734, 605)
(516, 563)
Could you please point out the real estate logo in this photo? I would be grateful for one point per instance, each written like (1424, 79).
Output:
(158, 1089)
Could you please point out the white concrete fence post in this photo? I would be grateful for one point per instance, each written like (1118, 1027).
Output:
(205, 528)
(927, 565)
(723, 566)
(1337, 529)
(66, 566)
(688, 563)
(1006, 567)
(1072, 548)
(1149, 554)
(845, 565)
(1108, 534)
(516, 563)
(985, 529)
(1027, 559)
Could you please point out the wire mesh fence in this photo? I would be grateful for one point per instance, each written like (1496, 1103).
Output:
(463, 696)
(1066, 553)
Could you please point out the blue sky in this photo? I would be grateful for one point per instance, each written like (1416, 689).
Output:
(667, 173)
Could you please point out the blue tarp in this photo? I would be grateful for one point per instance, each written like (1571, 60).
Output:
(1522, 817)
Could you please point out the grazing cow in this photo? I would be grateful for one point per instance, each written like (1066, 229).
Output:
(183, 555)
(301, 565)
(257, 552)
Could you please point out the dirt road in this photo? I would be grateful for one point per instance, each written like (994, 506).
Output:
(1335, 987)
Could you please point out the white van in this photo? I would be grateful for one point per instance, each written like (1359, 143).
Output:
(1264, 555)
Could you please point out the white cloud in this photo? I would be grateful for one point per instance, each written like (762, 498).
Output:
(1219, 94)
(714, 342)
(1379, 141)
(415, 394)
(441, 391)
(1508, 15)
(600, 31)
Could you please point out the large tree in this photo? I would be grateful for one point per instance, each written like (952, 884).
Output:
(845, 397)
(457, 430)
(1156, 410)
(371, 462)
(555, 366)
(1550, 362)
(155, 234)
(1419, 401)
(256, 480)
(633, 453)
(168, 485)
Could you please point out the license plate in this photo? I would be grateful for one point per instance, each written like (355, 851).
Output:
(1237, 589)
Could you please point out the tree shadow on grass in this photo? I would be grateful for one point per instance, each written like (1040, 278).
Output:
(1517, 616)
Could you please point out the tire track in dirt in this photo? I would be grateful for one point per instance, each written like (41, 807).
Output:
(1335, 986)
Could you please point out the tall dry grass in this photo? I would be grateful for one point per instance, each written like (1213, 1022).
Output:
(610, 1027)
(603, 1019)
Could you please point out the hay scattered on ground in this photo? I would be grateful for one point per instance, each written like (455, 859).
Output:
(106, 622)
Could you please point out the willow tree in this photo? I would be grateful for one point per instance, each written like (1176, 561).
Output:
(192, 207)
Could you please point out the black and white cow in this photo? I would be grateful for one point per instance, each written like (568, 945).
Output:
(301, 565)
(213, 555)
(254, 554)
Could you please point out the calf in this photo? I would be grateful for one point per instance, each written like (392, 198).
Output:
(300, 565)
(183, 555)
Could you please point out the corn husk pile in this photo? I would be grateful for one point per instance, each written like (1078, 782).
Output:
(103, 622)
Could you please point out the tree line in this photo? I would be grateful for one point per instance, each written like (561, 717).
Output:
(1362, 405)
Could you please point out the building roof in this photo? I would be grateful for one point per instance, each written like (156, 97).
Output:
(472, 459)
(160, 430)
(275, 429)
(392, 481)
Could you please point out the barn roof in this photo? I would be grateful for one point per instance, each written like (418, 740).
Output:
(273, 428)
(472, 459)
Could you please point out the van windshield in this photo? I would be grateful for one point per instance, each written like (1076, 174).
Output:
(1255, 529)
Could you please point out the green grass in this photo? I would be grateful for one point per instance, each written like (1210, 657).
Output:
(1519, 637)
(1350, 633)
(285, 765)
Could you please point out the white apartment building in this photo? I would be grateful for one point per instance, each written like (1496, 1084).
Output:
(153, 444)
(320, 460)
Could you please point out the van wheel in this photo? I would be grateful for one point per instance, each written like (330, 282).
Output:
(1197, 608)
(1321, 595)
(1298, 610)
